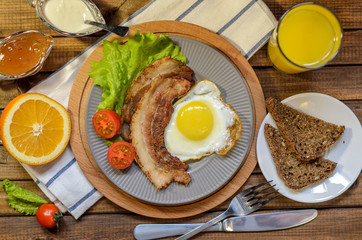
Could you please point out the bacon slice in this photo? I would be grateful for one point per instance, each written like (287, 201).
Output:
(162, 68)
(147, 130)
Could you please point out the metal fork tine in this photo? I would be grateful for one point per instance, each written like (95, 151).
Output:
(259, 205)
(250, 196)
(251, 189)
(268, 200)
(255, 200)
(265, 189)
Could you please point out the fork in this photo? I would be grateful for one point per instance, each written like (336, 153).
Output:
(244, 203)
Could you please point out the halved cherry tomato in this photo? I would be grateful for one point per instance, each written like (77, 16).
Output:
(48, 215)
(106, 123)
(120, 154)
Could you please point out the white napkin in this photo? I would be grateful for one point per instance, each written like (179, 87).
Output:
(245, 23)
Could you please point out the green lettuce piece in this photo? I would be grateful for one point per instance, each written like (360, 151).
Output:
(110, 141)
(23, 206)
(22, 200)
(122, 64)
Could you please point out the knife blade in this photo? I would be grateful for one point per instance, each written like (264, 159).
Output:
(248, 223)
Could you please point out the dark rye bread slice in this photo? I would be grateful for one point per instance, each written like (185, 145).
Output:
(305, 135)
(295, 174)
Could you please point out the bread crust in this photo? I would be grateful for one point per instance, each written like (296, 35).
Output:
(307, 136)
(295, 174)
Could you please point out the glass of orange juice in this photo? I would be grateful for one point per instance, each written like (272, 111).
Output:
(307, 37)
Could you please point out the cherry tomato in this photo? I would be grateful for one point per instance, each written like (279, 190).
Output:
(48, 215)
(120, 154)
(106, 123)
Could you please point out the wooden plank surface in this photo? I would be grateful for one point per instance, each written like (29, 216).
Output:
(342, 224)
(341, 82)
(339, 218)
(352, 198)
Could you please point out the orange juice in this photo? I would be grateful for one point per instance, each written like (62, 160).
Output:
(308, 37)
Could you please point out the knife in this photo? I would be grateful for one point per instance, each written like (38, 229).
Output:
(248, 223)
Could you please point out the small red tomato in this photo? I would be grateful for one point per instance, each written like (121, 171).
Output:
(48, 215)
(120, 154)
(106, 123)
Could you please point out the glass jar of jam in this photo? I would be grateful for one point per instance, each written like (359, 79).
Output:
(23, 54)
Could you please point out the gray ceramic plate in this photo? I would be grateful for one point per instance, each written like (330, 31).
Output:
(208, 174)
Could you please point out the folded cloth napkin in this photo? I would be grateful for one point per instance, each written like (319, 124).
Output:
(245, 23)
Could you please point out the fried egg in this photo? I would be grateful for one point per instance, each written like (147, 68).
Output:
(202, 124)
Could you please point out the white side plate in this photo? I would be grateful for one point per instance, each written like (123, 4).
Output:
(346, 152)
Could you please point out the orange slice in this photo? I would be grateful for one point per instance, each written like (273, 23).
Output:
(34, 128)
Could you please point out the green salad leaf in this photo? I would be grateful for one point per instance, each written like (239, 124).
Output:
(110, 141)
(122, 64)
(20, 199)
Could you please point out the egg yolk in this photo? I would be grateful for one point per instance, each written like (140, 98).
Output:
(195, 120)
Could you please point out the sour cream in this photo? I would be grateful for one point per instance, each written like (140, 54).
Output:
(68, 15)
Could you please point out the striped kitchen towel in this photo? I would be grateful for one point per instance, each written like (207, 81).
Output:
(63, 182)
(245, 23)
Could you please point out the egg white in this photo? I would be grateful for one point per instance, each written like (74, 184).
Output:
(223, 116)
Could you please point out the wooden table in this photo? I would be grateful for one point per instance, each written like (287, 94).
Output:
(339, 218)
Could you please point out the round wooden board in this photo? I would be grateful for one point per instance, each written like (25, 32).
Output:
(79, 144)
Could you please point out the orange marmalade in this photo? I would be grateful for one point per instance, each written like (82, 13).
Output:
(23, 52)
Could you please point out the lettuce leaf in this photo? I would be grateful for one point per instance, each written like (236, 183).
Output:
(122, 64)
(20, 199)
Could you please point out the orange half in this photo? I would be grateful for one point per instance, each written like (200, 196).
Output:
(34, 128)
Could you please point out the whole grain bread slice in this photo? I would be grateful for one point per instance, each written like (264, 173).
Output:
(296, 174)
(307, 136)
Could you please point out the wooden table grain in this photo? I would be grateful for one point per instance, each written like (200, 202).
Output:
(340, 218)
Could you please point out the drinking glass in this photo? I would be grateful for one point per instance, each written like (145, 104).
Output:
(308, 36)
